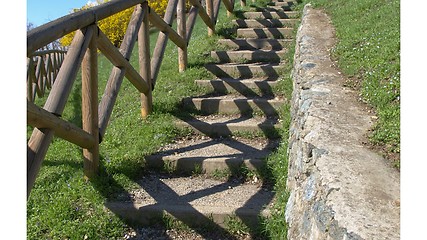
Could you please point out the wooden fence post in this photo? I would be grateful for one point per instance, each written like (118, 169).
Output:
(30, 74)
(144, 62)
(182, 31)
(230, 13)
(210, 12)
(55, 103)
(162, 40)
(90, 105)
(115, 80)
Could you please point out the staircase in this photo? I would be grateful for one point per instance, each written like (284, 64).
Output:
(217, 170)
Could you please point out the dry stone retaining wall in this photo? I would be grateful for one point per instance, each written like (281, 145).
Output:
(339, 188)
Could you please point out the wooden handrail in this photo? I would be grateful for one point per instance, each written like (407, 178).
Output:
(44, 52)
(42, 68)
(57, 70)
(49, 32)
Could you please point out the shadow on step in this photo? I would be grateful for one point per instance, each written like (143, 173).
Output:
(236, 71)
(249, 213)
(247, 88)
(165, 202)
(247, 57)
(243, 106)
(121, 203)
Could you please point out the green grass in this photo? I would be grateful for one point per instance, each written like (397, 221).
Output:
(368, 50)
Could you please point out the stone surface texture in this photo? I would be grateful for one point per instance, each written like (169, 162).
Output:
(339, 188)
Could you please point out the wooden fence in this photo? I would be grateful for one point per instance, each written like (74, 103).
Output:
(82, 52)
(42, 68)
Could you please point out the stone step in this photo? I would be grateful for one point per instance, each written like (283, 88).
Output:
(282, 3)
(273, 8)
(286, 1)
(223, 126)
(268, 70)
(228, 104)
(244, 87)
(271, 15)
(255, 43)
(208, 156)
(248, 56)
(279, 33)
(194, 201)
(269, 23)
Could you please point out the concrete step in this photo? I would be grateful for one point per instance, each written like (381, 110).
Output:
(194, 201)
(269, 71)
(206, 155)
(268, 23)
(271, 15)
(286, 4)
(244, 87)
(228, 104)
(286, 1)
(278, 33)
(223, 126)
(248, 56)
(273, 8)
(255, 43)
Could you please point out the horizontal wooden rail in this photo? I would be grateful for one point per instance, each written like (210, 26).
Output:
(44, 52)
(49, 32)
(40, 118)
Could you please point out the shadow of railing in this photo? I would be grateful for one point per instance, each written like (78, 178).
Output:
(268, 71)
(256, 56)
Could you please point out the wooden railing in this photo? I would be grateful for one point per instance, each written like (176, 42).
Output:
(42, 68)
(82, 52)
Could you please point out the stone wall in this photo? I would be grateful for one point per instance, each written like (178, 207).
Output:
(339, 188)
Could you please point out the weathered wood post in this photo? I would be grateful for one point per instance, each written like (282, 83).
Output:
(191, 20)
(182, 31)
(162, 40)
(30, 74)
(231, 2)
(210, 12)
(55, 103)
(90, 105)
(144, 61)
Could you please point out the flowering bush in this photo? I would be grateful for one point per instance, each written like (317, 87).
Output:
(114, 27)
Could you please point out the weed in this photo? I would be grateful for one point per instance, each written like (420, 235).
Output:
(170, 222)
(220, 174)
(235, 226)
(198, 169)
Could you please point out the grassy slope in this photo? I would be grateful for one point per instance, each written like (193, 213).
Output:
(62, 204)
(368, 50)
